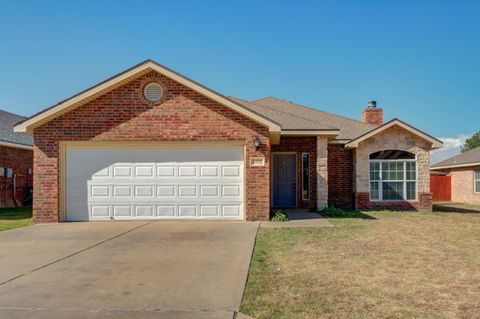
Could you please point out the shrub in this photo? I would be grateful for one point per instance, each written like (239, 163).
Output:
(280, 216)
(332, 211)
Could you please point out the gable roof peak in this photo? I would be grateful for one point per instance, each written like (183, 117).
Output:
(435, 143)
(126, 76)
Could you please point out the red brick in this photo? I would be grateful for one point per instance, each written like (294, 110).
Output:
(124, 115)
(373, 116)
(340, 176)
(424, 203)
(20, 160)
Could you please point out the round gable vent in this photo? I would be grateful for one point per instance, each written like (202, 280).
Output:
(153, 92)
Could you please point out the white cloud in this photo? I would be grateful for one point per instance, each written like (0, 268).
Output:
(451, 147)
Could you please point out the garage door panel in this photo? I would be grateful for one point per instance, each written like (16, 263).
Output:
(127, 211)
(122, 210)
(100, 210)
(187, 171)
(209, 190)
(166, 191)
(231, 171)
(231, 210)
(122, 191)
(145, 191)
(121, 184)
(187, 210)
(144, 210)
(166, 210)
(145, 170)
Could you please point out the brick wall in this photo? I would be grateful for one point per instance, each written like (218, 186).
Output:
(462, 185)
(340, 176)
(373, 116)
(424, 203)
(124, 115)
(20, 161)
(299, 145)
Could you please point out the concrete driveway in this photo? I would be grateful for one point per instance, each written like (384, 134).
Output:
(125, 269)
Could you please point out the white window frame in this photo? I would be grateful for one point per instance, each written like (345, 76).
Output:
(475, 180)
(308, 185)
(404, 180)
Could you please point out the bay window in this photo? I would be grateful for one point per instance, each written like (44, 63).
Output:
(393, 176)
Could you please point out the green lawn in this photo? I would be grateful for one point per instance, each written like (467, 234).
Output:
(371, 265)
(15, 217)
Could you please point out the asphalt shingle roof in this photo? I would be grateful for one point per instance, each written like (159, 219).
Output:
(472, 156)
(293, 116)
(7, 122)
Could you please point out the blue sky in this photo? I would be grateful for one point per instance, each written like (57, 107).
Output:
(418, 59)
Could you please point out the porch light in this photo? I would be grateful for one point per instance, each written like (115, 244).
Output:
(256, 143)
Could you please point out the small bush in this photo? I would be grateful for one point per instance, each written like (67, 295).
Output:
(332, 211)
(280, 216)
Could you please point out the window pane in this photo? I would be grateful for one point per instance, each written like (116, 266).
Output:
(392, 190)
(477, 186)
(411, 190)
(374, 171)
(411, 171)
(385, 170)
(392, 171)
(399, 170)
(374, 191)
(305, 176)
(477, 175)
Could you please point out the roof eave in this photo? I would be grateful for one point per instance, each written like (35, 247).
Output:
(455, 166)
(290, 132)
(16, 145)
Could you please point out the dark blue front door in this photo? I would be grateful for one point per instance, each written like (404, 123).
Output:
(284, 180)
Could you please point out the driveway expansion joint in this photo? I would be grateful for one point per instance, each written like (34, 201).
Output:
(76, 253)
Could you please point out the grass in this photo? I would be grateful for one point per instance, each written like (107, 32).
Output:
(15, 217)
(390, 265)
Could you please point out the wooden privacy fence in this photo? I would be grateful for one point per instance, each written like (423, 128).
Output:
(441, 188)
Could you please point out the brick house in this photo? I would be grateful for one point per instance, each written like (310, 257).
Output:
(464, 172)
(150, 143)
(16, 162)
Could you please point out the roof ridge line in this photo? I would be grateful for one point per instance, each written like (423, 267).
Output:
(14, 114)
(310, 108)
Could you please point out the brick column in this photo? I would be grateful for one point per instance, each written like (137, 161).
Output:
(322, 172)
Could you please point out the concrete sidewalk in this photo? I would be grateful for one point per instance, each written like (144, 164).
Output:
(300, 219)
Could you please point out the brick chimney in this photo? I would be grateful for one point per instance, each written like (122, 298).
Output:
(372, 115)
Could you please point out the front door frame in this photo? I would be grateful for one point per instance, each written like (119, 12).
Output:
(271, 178)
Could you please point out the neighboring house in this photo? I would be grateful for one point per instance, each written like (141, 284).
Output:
(151, 143)
(464, 172)
(16, 162)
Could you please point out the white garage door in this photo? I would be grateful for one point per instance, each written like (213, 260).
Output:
(154, 183)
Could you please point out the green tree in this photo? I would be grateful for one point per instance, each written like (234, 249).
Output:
(471, 142)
